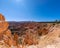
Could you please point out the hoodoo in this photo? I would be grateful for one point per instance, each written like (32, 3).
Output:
(5, 33)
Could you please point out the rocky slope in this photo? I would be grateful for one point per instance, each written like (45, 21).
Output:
(50, 40)
(29, 34)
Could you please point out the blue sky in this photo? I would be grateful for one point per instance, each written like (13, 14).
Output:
(30, 10)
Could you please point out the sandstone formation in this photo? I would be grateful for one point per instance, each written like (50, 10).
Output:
(32, 35)
(5, 33)
(2, 18)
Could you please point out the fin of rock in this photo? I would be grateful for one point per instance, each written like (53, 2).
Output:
(5, 33)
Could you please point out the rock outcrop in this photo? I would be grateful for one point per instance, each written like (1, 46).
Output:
(5, 33)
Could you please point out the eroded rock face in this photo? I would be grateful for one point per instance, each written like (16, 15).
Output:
(2, 18)
(5, 33)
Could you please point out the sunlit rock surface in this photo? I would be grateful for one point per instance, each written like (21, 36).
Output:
(46, 37)
(6, 39)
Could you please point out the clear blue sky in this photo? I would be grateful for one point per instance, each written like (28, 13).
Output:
(30, 10)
